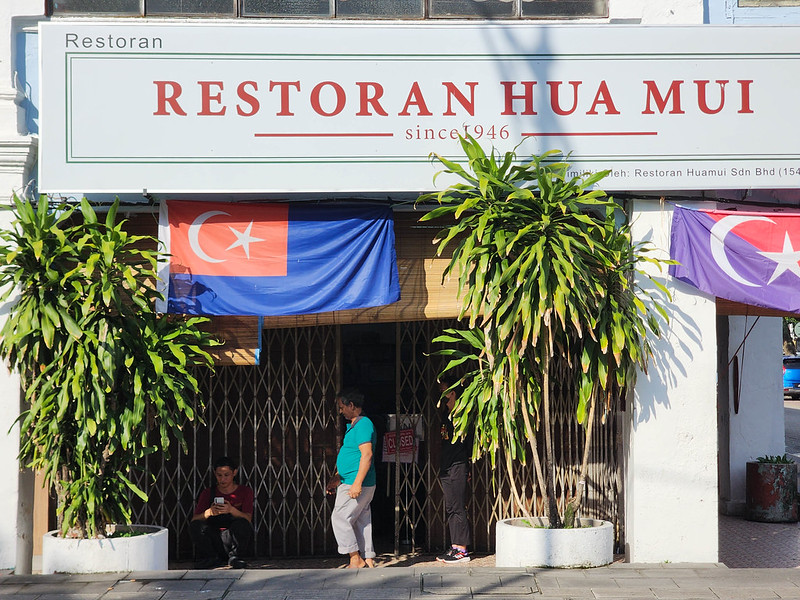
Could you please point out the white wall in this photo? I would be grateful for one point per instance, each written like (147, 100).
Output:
(671, 451)
(17, 154)
(648, 12)
(758, 428)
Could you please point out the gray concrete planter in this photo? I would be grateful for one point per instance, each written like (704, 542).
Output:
(146, 552)
(522, 545)
(771, 492)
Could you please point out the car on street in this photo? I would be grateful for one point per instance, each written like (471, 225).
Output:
(791, 376)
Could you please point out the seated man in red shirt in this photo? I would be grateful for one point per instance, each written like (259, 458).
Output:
(222, 523)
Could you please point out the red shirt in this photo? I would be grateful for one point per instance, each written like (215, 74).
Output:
(241, 498)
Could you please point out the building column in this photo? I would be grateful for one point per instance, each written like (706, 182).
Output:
(671, 501)
(17, 157)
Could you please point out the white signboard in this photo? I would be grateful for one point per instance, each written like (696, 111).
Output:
(299, 107)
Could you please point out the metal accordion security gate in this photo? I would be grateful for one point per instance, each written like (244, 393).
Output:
(278, 421)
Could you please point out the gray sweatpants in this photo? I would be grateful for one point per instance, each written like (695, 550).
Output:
(352, 521)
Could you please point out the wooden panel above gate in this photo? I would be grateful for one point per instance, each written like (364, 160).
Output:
(730, 308)
(240, 337)
(423, 294)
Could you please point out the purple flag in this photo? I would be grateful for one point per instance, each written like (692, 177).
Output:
(745, 257)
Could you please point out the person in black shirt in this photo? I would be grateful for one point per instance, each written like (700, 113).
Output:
(453, 475)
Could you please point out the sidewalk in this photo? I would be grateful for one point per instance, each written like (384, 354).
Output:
(618, 581)
(744, 546)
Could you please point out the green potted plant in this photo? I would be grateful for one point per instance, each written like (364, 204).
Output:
(547, 275)
(106, 379)
(771, 489)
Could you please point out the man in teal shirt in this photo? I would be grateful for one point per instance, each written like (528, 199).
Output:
(354, 484)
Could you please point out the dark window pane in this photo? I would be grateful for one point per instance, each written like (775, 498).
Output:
(379, 8)
(489, 9)
(190, 7)
(126, 7)
(286, 8)
(564, 8)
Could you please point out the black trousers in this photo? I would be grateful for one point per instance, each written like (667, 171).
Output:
(221, 537)
(454, 486)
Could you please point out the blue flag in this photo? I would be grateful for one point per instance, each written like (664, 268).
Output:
(270, 259)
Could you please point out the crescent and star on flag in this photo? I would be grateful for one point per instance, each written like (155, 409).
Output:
(786, 260)
(243, 238)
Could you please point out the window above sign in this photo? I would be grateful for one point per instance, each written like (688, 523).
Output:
(343, 9)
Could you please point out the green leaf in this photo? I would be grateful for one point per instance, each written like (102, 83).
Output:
(546, 271)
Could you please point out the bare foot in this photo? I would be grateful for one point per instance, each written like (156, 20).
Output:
(370, 563)
(357, 563)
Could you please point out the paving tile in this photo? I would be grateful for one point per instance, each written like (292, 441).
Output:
(548, 587)
(655, 571)
(495, 591)
(576, 592)
(334, 580)
(216, 584)
(254, 576)
(174, 585)
(127, 586)
(6, 590)
(740, 593)
(176, 574)
(51, 588)
(477, 583)
(649, 582)
(201, 595)
(317, 595)
(262, 595)
(421, 595)
(575, 576)
(517, 579)
(68, 596)
(386, 577)
(115, 595)
(94, 577)
(257, 584)
(595, 583)
(607, 592)
(215, 574)
(691, 565)
(16, 579)
(430, 580)
(448, 591)
(682, 594)
(382, 593)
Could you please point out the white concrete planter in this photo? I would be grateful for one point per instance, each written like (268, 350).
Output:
(147, 552)
(520, 545)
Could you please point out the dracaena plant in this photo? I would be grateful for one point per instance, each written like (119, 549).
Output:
(551, 302)
(106, 379)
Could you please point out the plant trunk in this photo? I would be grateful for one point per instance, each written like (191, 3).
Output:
(61, 502)
(531, 435)
(575, 503)
(521, 504)
(550, 493)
